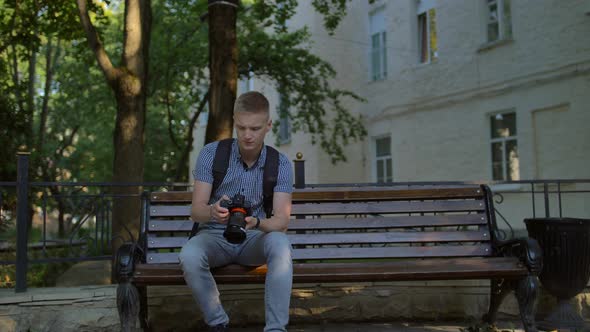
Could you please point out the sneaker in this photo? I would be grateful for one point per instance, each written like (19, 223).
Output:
(219, 328)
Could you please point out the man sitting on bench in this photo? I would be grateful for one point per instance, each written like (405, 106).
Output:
(237, 184)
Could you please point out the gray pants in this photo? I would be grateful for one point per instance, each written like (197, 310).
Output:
(209, 249)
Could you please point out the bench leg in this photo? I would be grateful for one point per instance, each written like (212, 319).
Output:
(127, 305)
(499, 289)
(143, 309)
(527, 291)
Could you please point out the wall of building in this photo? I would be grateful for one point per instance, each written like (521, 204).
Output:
(438, 113)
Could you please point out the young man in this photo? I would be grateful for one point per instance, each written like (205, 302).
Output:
(266, 241)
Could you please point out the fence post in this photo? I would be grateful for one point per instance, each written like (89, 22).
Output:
(22, 217)
(546, 196)
(299, 171)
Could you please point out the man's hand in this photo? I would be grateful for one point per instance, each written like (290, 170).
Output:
(220, 214)
(251, 222)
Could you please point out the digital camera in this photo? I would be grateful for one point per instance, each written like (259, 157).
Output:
(239, 209)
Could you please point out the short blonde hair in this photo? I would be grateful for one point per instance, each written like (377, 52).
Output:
(252, 101)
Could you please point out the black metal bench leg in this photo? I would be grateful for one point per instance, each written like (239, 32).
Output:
(127, 305)
(499, 289)
(143, 309)
(527, 291)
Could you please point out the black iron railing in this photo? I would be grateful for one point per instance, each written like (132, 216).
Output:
(83, 211)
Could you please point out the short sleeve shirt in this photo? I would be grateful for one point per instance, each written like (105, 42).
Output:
(240, 178)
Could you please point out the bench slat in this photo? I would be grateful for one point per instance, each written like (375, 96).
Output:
(349, 208)
(354, 253)
(156, 225)
(352, 193)
(419, 269)
(393, 252)
(388, 207)
(351, 238)
(381, 193)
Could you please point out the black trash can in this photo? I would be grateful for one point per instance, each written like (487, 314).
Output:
(566, 266)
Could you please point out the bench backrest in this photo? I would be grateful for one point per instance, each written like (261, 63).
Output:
(352, 223)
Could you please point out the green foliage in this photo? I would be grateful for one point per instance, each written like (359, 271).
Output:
(178, 65)
(267, 49)
(301, 77)
(77, 137)
(30, 31)
(332, 10)
(38, 275)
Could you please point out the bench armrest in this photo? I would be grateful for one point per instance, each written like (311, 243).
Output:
(128, 255)
(526, 249)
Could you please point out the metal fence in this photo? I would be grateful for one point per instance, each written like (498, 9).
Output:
(77, 216)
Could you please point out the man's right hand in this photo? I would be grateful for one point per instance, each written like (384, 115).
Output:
(219, 213)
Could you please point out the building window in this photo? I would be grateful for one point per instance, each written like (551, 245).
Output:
(499, 25)
(246, 84)
(505, 161)
(284, 122)
(427, 41)
(378, 45)
(383, 160)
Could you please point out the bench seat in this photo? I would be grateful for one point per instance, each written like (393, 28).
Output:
(422, 269)
(355, 234)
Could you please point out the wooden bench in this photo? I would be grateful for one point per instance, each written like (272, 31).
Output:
(352, 234)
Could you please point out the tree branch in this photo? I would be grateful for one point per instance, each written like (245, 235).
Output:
(169, 111)
(49, 66)
(132, 44)
(67, 142)
(16, 81)
(110, 72)
(182, 162)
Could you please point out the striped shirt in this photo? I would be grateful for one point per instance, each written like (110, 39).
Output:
(240, 178)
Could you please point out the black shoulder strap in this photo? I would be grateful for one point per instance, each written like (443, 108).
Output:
(270, 175)
(221, 162)
(219, 169)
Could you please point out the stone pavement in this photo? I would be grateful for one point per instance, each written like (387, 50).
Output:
(93, 309)
(386, 327)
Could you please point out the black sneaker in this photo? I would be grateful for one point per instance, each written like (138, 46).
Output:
(219, 328)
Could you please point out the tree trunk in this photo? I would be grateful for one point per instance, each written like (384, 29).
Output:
(223, 68)
(129, 83)
(128, 162)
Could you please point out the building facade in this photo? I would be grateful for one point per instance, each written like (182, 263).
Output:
(463, 90)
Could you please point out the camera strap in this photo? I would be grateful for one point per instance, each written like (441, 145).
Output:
(269, 176)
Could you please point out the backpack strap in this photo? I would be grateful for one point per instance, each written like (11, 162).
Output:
(270, 175)
(219, 169)
(221, 163)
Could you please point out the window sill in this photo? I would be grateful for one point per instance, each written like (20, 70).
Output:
(377, 81)
(494, 44)
(426, 64)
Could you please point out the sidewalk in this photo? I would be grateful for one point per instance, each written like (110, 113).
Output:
(383, 327)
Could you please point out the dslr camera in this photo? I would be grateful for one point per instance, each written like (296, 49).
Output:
(239, 209)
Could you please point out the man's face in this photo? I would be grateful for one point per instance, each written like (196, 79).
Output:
(251, 127)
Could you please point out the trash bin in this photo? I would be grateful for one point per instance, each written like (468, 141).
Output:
(565, 243)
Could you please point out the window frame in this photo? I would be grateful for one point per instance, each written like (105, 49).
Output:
(503, 24)
(384, 159)
(504, 141)
(379, 52)
(425, 30)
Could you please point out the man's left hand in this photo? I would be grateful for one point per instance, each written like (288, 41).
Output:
(251, 222)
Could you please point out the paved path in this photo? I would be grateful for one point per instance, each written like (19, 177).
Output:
(383, 327)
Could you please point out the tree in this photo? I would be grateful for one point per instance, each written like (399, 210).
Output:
(301, 78)
(129, 83)
(31, 49)
(223, 68)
